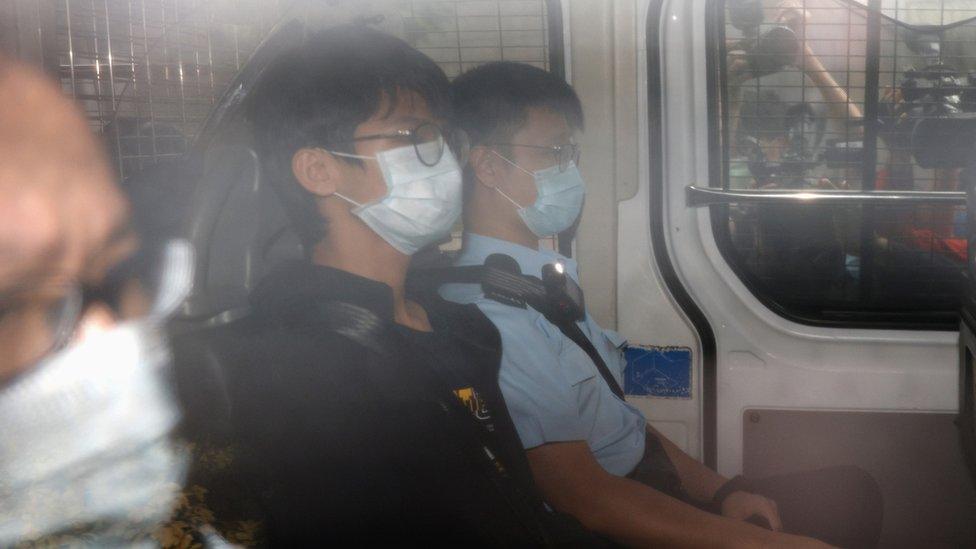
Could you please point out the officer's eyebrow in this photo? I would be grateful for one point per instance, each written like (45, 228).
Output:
(561, 138)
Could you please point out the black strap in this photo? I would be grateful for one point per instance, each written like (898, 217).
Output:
(510, 288)
(369, 330)
(519, 290)
(576, 335)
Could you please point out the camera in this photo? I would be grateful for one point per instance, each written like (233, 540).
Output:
(802, 128)
(937, 119)
(766, 52)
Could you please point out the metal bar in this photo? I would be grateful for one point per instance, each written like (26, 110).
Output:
(872, 75)
(237, 49)
(501, 39)
(148, 66)
(210, 56)
(548, 41)
(802, 68)
(133, 80)
(708, 196)
(179, 58)
(850, 89)
(872, 68)
(457, 31)
(98, 67)
(720, 110)
(71, 48)
(111, 87)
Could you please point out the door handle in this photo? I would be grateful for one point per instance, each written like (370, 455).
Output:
(708, 196)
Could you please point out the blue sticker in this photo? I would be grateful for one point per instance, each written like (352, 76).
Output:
(658, 371)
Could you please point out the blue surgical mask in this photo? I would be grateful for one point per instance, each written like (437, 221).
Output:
(85, 446)
(421, 202)
(558, 202)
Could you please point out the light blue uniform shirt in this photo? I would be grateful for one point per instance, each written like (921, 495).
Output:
(553, 390)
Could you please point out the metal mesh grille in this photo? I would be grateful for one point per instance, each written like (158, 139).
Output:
(818, 92)
(147, 72)
(463, 34)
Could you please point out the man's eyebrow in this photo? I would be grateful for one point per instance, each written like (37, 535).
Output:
(120, 234)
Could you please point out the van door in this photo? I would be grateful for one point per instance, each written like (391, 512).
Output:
(821, 247)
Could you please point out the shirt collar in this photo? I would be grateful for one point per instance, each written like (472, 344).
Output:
(477, 248)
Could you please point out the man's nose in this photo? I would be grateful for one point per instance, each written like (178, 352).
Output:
(97, 318)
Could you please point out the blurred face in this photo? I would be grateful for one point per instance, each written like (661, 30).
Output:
(63, 222)
(56, 303)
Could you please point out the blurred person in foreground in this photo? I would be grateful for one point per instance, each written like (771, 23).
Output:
(86, 408)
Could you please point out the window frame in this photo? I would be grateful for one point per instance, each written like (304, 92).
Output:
(718, 166)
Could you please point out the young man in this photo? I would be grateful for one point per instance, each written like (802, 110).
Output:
(593, 455)
(367, 415)
(85, 452)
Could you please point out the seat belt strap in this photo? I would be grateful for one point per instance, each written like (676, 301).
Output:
(365, 328)
(576, 335)
(502, 281)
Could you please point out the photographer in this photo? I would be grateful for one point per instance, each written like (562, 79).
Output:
(764, 111)
(925, 228)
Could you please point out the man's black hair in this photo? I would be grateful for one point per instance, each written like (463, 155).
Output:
(491, 100)
(317, 94)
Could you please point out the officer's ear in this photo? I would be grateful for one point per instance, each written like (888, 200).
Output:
(317, 170)
(484, 164)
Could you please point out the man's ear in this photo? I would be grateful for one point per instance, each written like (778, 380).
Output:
(484, 165)
(316, 170)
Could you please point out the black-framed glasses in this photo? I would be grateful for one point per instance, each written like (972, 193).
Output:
(39, 318)
(428, 140)
(562, 154)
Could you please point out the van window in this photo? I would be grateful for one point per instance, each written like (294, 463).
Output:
(834, 95)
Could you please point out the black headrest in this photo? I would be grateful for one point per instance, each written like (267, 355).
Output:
(239, 231)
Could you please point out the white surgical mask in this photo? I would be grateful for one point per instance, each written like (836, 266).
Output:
(421, 202)
(558, 202)
(84, 435)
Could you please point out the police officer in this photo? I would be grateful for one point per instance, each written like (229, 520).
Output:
(592, 454)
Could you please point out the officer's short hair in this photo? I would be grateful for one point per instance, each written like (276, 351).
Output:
(491, 100)
(318, 93)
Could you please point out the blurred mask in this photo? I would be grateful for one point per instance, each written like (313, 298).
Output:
(84, 444)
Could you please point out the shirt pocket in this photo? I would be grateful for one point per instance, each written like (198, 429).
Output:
(575, 365)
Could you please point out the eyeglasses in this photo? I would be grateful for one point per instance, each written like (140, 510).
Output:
(41, 318)
(562, 154)
(428, 142)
